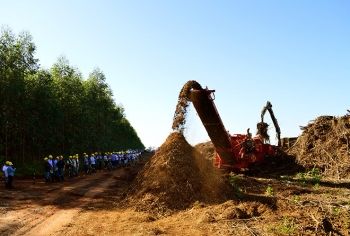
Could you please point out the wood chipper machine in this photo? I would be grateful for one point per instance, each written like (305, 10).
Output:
(237, 151)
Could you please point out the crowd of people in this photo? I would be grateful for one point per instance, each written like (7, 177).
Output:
(56, 169)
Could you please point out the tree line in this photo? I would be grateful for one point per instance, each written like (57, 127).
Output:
(55, 111)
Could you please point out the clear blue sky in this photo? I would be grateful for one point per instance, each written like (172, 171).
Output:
(294, 53)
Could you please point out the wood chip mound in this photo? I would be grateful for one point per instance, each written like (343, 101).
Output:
(176, 177)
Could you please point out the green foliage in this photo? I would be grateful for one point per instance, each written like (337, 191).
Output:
(336, 211)
(313, 176)
(316, 186)
(296, 199)
(286, 226)
(234, 182)
(55, 111)
(302, 178)
(269, 191)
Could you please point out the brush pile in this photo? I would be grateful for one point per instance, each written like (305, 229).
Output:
(325, 144)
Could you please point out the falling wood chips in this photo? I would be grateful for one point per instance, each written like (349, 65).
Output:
(182, 104)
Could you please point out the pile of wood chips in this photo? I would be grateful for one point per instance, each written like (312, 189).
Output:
(175, 178)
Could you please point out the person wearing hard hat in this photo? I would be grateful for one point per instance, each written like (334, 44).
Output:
(60, 167)
(93, 163)
(50, 161)
(55, 168)
(77, 164)
(105, 160)
(10, 174)
(98, 161)
(4, 170)
(86, 162)
(74, 165)
(47, 169)
(70, 167)
(114, 160)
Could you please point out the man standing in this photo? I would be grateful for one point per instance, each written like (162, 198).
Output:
(47, 169)
(4, 170)
(50, 161)
(60, 166)
(10, 174)
(86, 164)
(55, 169)
(74, 165)
(77, 164)
(93, 163)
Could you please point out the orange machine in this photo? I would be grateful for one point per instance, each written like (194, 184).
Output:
(237, 151)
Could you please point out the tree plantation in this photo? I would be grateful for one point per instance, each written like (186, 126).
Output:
(55, 111)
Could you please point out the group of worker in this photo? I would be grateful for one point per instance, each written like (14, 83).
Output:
(56, 169)
(8, 172)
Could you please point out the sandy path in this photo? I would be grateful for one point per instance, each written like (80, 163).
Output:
(57, 208)
(61, 218)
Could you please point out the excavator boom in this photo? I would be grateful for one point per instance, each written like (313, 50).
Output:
(268, 107)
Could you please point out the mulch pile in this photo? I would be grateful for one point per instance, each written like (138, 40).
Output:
(176, 177)
(324, 144)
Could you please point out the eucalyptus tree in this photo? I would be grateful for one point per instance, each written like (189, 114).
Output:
(16, 62)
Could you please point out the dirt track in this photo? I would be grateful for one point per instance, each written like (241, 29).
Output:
(45, 209)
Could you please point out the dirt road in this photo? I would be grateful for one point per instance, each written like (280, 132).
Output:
(45, 209)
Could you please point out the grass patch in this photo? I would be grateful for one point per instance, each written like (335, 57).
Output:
(286, 226)
(269, 191)
(234, 182)
(312, 176)
(296, 199)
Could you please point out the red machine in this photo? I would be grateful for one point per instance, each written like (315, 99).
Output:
(236, 151)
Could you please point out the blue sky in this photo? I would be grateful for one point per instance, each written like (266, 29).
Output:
(295, 54)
